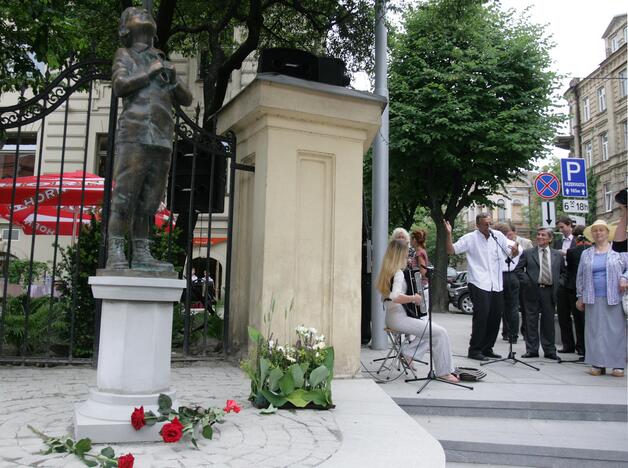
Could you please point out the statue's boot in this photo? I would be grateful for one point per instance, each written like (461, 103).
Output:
(143, 260)
(116, 260)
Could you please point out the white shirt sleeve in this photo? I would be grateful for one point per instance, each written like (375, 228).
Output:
(462, 244)
(399, 285)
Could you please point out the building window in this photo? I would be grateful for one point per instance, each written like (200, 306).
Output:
(501, 210)
(604, 146)
(623, 83)
(614, 43)
(625, 133)
(588, 153)
(601, 99)
(587, 109)
(101, 154)
(25, 155)
(14, 233)
(608, 197)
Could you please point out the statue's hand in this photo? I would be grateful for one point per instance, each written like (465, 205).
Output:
(156, 67)
(170, 72)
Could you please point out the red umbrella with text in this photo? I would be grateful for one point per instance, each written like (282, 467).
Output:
(68, 188)
(69, 223)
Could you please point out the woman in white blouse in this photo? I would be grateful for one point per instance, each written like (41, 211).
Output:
(392, 286)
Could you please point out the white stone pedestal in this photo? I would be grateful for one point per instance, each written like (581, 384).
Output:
(133, 359)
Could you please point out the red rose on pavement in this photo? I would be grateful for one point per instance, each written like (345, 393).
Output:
(137, 418)
(231, 406)
(172, 431)
(126, 461)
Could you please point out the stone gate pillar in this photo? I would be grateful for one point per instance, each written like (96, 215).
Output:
(298, 218)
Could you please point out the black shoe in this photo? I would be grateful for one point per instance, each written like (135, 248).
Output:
(530, 355)
(477, 356)
(566, 351)
(491, 354)
(514, 339)
(580, 352)
(504, 338)
(553, 357)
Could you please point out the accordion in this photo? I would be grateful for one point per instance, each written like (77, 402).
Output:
(414, 285)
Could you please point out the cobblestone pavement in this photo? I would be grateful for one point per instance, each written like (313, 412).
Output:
(45, 398)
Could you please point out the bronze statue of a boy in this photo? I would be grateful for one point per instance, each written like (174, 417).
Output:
(148, 85)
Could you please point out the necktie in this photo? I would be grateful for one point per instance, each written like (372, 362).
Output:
(546, 276)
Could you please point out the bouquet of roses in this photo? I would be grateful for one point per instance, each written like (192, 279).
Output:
(182, 422)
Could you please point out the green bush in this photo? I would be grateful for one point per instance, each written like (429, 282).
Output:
(42, 311)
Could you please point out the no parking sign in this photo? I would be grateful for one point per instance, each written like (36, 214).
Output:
(547, 185)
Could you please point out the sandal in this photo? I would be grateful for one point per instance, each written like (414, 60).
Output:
(617, 372)
(597, 371)
(449, 378)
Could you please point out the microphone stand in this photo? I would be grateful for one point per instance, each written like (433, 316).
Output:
(511, 354)
(431, 375)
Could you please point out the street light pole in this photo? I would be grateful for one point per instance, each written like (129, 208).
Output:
(380, 178)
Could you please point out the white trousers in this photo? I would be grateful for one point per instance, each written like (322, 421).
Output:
(397, 319)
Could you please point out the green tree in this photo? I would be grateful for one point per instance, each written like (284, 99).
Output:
(52, 31)
(470, 109)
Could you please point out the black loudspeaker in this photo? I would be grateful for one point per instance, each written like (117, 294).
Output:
(291, 62)
(333, 71)
(202, 178)
(304, 65)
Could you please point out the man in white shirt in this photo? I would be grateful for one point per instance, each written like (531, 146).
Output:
(486, 251)
(566, 298)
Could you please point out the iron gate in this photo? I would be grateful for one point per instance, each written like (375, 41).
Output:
(47, 312)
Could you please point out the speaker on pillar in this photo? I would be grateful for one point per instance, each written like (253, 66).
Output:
(291, 62)
(202, 179)
(304, 65)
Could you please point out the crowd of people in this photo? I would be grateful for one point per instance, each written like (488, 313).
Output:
(580, 276)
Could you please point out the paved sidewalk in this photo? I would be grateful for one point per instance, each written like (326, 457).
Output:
(558, 416)
(358, 432)
(556, 408)
(554, 382)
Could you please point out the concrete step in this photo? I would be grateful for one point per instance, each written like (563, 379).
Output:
(515, 409)
(492, 455)
(530, 442)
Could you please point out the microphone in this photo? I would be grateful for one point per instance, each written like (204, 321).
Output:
(508, 259)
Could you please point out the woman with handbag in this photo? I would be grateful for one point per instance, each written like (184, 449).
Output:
(601, 280)
(392, 285)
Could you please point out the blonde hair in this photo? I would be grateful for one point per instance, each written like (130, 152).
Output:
(394, 259)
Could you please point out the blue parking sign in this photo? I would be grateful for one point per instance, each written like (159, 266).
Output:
(574, 177)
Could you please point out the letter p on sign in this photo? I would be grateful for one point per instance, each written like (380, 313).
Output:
(572, 169)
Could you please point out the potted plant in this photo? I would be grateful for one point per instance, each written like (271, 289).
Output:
(297, 376)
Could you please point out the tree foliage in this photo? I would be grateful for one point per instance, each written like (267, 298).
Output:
(43, 34)
(470, 108)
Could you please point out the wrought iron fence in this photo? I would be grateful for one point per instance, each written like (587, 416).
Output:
(54, 216)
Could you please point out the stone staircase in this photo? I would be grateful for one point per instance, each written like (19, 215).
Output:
(524, 433)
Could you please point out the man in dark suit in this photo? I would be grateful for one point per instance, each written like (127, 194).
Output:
(540, 271)
(573, 260)
(566, 296)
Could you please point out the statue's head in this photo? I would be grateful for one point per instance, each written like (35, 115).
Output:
(134, 20)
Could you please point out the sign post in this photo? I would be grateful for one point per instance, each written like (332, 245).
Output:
(575, 206)
(574, 177)
(548, 214)
(547, 185)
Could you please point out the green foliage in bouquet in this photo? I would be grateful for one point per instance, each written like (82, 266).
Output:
(290, 376)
